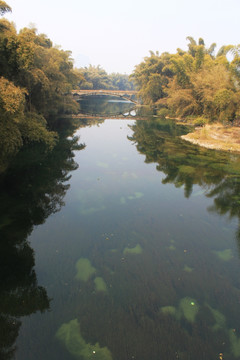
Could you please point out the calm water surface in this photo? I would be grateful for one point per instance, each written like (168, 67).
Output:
(125, 246)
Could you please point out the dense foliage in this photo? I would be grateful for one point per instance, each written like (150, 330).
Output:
(195, 83)
(94, 77)
(35, 86)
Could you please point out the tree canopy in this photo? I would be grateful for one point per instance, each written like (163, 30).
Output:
(36, 79)
(192, 83)
(96, 78)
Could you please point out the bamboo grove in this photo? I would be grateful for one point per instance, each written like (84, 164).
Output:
(195, 84)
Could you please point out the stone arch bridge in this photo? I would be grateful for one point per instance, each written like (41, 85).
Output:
(124, 94)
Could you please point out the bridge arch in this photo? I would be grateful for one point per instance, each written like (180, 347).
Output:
(126, 95)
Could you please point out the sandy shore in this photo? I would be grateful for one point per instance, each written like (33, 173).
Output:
(216, 137)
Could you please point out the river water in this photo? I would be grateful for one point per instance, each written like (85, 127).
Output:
(122, 244)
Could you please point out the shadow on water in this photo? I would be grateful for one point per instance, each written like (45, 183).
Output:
(218, 173)
(31, 189)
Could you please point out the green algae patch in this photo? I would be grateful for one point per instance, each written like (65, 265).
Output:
(136, 195)
(235, 343)
(92, 210)
(69, 334)
(224, 255)
(171, 310)
(187, 269)
(102, 165)
(220, 320)
(189, 308)
(136, 250)
(172, 247)
(84, 269)
(131, 197)
(128, 175)
(100, 284)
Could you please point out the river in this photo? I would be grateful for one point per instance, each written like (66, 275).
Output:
(122, 244)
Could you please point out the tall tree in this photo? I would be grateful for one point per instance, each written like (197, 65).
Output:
(151, 76)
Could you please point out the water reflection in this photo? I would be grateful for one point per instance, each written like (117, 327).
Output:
(218, 173)
(227, 200)
(20, 294)
(149, 282)
(31, 189)
(106, 105)
(141, 272)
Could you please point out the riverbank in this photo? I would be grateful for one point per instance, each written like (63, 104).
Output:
(216, 136)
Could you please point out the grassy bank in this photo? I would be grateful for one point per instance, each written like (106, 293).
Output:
(216, 137)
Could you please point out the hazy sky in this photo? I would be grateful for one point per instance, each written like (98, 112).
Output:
(118, 34)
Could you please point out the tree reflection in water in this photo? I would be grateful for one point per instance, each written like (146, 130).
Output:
(105, 105)
(218, 173)
(31, 189)
(227, 200)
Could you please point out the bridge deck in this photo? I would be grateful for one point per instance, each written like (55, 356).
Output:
(104, 92)
(124, 94)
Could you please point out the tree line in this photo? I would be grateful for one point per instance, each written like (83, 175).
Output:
(196, 84)
(95, 77)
